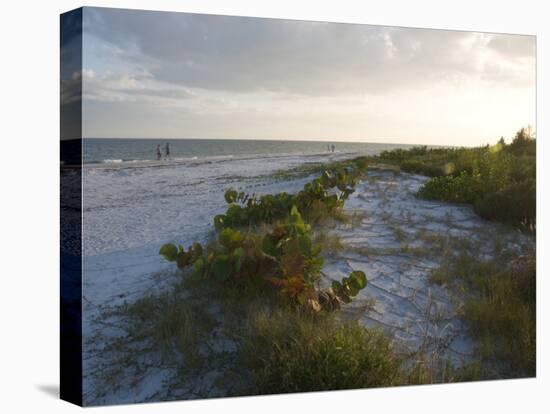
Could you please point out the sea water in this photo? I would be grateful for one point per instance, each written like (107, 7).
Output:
(115, 151)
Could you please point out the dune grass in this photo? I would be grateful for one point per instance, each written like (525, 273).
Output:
(291, 351)
(174, 326)
(499, 309)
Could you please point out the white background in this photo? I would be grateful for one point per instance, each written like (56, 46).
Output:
(29, 194)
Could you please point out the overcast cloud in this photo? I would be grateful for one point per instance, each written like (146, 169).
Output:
(189, 75)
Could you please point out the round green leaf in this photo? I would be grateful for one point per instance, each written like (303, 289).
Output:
(360, 278)
(169, 251)
(351, 288)
(219, 221)
(231, 195)
(229, 237)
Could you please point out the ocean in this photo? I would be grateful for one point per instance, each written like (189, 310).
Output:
(116, 151)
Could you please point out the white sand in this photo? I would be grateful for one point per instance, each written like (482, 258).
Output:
(129, 213)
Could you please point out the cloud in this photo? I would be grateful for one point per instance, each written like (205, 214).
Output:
(111, 87)
(514, 46)
(71, 89)
(242, 54)
(161, 74)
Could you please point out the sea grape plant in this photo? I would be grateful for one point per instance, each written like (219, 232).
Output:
(350, 286)
(178, 254)
(283, 257)
(329, 192)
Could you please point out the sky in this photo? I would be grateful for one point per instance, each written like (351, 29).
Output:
(176, 75)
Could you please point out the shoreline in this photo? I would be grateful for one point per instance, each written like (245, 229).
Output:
(179, 161)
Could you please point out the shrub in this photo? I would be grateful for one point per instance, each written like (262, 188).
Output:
(463, 188)
(418, 167)
(522, 144)
(499, 180)
(515, 204)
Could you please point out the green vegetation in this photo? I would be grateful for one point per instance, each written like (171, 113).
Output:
(500, 309)
(172, 324)
(499, 180)
(266, 252)
(266, 242)
(296, 352)
(261, 274)
(500, 300)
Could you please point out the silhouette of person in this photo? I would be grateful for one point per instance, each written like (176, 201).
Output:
(159, 154)
(167, 151)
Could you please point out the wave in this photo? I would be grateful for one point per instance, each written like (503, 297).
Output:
(118, 163)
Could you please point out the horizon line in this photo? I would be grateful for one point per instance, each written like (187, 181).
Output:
(287, 140)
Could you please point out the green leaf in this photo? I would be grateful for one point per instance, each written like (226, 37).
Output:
(351, 288)
(196, 250)
(304, 243)
(359, 278)
(238, 252)
(297, 222)
(219, 221)
(269, 245)
(222, 267)
(198, 267)
(229, 237)
(231, 195)
(234, 212)
(169, 251)
(348, 286)
(331, 201)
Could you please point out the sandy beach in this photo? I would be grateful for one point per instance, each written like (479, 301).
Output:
(395, 238)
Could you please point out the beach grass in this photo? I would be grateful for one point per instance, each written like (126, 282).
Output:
(174, 326)
(291, 351)
(499, 309)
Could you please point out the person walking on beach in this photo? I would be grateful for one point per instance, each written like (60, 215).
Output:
(159, 154)
(167, 151)
(333, 147)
